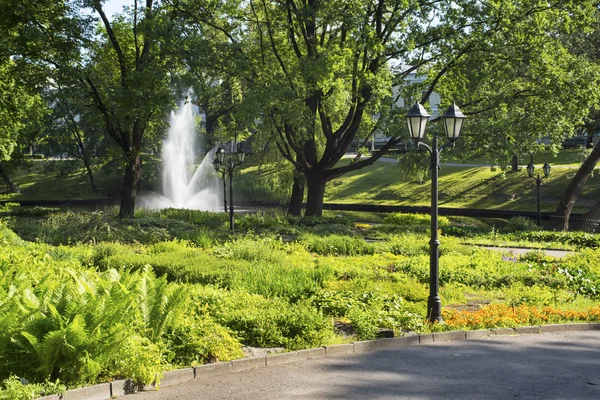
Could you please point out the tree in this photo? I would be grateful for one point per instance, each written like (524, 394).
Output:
(66, 126)
(127, 78)
(123, 65)
(585, 44)
(21, 108)
(321, 70)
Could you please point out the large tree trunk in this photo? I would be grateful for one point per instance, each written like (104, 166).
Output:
(315, 184)
(295, 207)
(515, 163)
(133, 174)
(563, 211)
(209, 125)
(11, 185)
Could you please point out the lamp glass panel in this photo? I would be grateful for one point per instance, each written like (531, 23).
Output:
(221, 155)
(415, 127)
(546, 169)
(423, 126)
(457, 127)
(449, 127)
(530, 169)
(240, 155)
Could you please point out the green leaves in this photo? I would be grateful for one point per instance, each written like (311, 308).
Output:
(80, 326)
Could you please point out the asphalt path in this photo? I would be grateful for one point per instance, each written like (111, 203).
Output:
(537, 366)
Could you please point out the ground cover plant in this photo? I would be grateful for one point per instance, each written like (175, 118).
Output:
(86, 297)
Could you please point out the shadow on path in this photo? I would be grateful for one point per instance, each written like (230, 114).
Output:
(543, 366)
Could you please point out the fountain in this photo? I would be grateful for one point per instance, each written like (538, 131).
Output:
(182, 186)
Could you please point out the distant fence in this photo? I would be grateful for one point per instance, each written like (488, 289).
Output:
(577, 221)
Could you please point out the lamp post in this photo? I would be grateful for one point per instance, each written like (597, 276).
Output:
(417, 119)
(224, 176)
(538, 182)
(226, 168)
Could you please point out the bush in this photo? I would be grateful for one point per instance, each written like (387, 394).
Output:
(521, 224)
(259, 221)
(70, 227)
(265, 322)
(13, 389)
(336, 245)
(311, 222)
(403, 219)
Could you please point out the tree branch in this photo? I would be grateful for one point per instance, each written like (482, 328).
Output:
(115, 43)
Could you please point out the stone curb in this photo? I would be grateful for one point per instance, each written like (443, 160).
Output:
(527, 329)
(311, 353)
(445, 336)
(482, 333)
(244, 364)
(281, 358)
(106, 391)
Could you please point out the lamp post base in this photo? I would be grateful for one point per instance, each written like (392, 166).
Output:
(434, 309)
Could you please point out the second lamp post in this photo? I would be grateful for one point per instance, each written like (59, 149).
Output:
(538, 182)
(417, 119)
(227, 168)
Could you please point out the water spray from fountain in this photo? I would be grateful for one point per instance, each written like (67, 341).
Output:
(182, 185)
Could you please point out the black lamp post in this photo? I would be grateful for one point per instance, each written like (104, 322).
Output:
(226, 169)
(538, 182)
(417, 120)
(223, 173)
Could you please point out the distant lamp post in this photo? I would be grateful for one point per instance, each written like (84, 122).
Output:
(417, 119)
(223, 173)
(226, 168)
(538, 182)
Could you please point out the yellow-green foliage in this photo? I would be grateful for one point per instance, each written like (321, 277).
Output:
(413, 219)
(61, 320)
(90, 298)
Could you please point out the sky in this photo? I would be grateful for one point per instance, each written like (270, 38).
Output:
(114, 6)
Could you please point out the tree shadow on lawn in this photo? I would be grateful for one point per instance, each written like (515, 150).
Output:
(477, 369)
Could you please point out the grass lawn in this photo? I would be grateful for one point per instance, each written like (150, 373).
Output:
(459, 187)
(43, 180)
(570, 157)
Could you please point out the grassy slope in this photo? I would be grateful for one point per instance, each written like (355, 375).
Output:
(42, 180)
(564, 157)
(379, 184)
(458, 187)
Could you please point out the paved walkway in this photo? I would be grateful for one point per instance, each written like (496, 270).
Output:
(538, 366)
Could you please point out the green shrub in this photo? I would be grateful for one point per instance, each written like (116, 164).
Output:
(519, 294)
(262, 265)
(265, 322)
(202, 340)
(404, 219)
(311, 222)
(365, 323)
(13, 389)
(337, 245)
(7, 236)
(70, 227)
(521, 224)
(259, 221)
